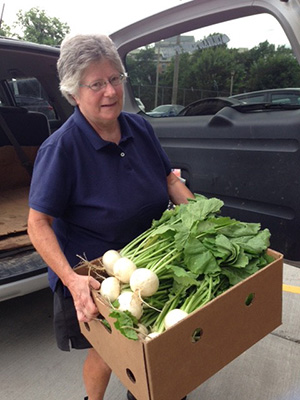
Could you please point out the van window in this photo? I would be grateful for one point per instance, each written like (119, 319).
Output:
(221, 60)
(29, 93)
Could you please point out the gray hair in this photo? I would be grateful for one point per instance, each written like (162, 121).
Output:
(77, 53)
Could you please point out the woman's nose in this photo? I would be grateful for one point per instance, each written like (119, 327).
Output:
(109, 88)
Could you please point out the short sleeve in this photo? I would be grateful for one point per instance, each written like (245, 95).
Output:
(51, 184)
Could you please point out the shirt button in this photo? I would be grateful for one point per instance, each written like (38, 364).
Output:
(122, 154)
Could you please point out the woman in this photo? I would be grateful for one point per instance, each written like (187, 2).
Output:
(98, 182)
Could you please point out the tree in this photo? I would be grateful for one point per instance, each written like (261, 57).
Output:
(5, 30)
(213, 71)
(219, 71)
(205, 73)
(37, 27)
(278, 70)
(142, 73)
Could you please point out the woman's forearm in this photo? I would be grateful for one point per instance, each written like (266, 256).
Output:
(178, 191)
(45, 242)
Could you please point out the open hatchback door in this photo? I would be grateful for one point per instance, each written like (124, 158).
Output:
(197, 55)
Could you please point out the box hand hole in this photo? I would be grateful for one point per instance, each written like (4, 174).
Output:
(87, 326)
(249, 299)
(104, 322)
(106, 325)
(197, 334)
(130, 375)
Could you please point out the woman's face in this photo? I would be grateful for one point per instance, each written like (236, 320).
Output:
(103, 107)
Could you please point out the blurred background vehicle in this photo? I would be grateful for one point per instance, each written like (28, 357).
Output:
(282, 96)
(140, 103)
(208, 106)
(165, 110)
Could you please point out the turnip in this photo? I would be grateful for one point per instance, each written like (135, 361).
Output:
(173, 317)
(152, 335)
(123, 269)
(108, 260)
(144, 281)
(129, 301)
(110, 288)
(142, 331)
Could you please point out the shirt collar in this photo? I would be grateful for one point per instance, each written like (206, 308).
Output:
(96, 141)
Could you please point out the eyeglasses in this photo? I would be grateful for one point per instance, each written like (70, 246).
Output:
(115, 80)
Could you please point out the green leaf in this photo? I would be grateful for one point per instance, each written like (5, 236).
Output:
(125, 323)
(240, 229)
(163, 231)
(220, 246)
(181, 237)
(198, 259)
(213, 225)
(182, 276)
(255, 244)
(242, 261)
(199, 209)
(236, 275)
(166, 216)
(267, 259)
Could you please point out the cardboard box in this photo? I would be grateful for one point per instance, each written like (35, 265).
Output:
(172, 365)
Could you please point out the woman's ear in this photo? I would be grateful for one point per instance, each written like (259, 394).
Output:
(75, 98)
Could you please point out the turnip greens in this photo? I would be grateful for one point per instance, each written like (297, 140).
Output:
(196, 255)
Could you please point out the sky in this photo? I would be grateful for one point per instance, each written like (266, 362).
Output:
(102, 16)
(108, 16)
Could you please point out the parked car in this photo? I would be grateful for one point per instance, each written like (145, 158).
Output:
(246, 156)
(277, 96)
(25, 70)
(208, 106)
(140, 104)
(165, 110)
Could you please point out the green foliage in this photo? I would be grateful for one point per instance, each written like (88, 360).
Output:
(142, 72)
(125, 323)
(142, 66)
(37, 27)
(277, 70)
(197, 254)
(5, 30)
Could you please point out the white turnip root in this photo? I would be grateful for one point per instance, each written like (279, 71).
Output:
(144, 281)
(108, 260)
(152, 335)
(129, 301)
(110, 288)
(173, 317)
(142, 331)
(123, 269)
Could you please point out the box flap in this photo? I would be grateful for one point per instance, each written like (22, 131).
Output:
(125, 357)
(228, 327)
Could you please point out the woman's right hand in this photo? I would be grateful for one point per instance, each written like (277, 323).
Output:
(44, 240)
(80, 289)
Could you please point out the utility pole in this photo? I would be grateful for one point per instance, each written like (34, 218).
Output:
(157, 75)
(231, 82)
(2, 12)
(176, 72)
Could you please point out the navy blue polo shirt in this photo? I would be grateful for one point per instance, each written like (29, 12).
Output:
(101, 195)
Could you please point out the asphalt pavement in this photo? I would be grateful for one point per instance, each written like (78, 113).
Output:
(32, 368)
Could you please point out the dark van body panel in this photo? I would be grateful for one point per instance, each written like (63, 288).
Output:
(249, 161)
